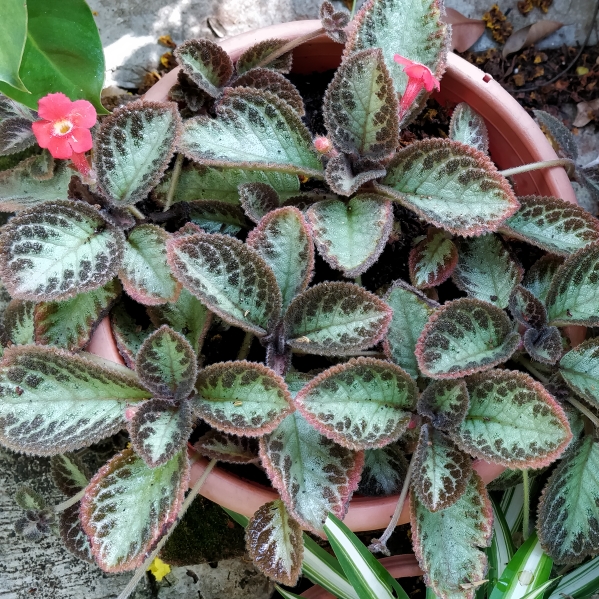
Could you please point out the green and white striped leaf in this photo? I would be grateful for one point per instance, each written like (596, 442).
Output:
(58, 250)
(580, 369)
(502, 547)
(52, 401)
(580, 583)
(19, 322)
(538, 277)
(512, 506)
(384, 471)
(128, 507)
(433, 260)
(468, 127)
(445, 402)
(214, 216)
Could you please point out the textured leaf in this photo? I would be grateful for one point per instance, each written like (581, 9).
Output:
(53, 401)
(512, 421)
(351, 235)
(258, 199)
(206, 64)
(258, 52)
(19, 327)
(448, 544)
(465, 336)
(283, 239)
(568, 524)
(16, 135)
(553, 225)
(559, 134)
(227, 448)
(450, 185)
(274, 543)
(230, 278)
(362, 404)
(58, 250)
(334, 21)
(129, 506)
(159, 430)
(73, 536)
(242, 398)
(70, 323)
(214, 216)
(127, 333)
(580, 369)
(538, 277)
(544, 345)
(42, 168)
(166, 364)
(433, 260)
(411, 311)
(336, 318)
(468, 127)
(384, 471)
(572, 297)
(144, 271)
(442, 471)
(28, 499)
(133, 148)
(445, 403)
(527, 309)
(313, 474)
(345, 177)
(253, 129)
(69, 473)
(360, 106)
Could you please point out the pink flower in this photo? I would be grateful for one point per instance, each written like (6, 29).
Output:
(419, 77)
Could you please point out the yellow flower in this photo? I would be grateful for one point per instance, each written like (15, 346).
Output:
(159, 569)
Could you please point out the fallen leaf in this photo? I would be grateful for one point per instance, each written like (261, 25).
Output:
(465, 32)
(581, 71)
(586, 112)
(529, 35)
(496, 21)
(166, 40)
(525, 6)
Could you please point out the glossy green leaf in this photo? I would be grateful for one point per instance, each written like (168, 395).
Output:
(580, 369)
(468, 127)
(432, 260)
(445, 403)
(502, 547)
(538, 277)
(580, 583)
(384, 471)
(214, 216)
(19, 322)
(13, 31)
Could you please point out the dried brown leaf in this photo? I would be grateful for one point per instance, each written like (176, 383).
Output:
(529, 35)
(496, 21)
(587, 112)
(465, 32)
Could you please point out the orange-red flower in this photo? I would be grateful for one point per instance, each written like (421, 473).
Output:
(419, 77)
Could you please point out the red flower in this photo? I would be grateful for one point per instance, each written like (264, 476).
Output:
(419, 77)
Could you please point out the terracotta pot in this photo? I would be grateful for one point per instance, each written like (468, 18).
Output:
(514, 139)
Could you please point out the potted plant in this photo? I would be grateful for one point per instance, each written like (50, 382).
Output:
(451, 370)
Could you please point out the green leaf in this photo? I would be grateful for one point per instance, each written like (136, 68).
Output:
(445, 403)
(58, 250)
(362, 404)
(53, 401)
(572, 297)
(144, 271)
(538, 277)
(28, 499)
(313, 474)
(527, 309)
(579, 583)
(258, 199)
(13, 31)
(384, 471)
(206, 64)
(227, 448)
(580, 369)
(69, 473)
(568, 524)
(486, 271)
(63, 53)
(128, 334)
(282, 238)
(465, 336)
(72, 535)
(334, 21)
(502, 547)
(450, 185)
(128, 507)
(351, 235)
(468, 127)
(230, 278)
(552, 224)
(274, 543)
(335, 318)
(214, 216)
(241, 398)
(448, 543)
(19, 322)
(258, 52)
(346, 175)
(360, 106)
(559, 133)
(253, 129)
(512, 421)
(411, 311)
(133, 148)
(433, 260)
(70, 323)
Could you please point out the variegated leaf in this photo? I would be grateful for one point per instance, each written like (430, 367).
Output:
(362, 404)
(465, 336)
(144, 271)
(411, 311)
(433, 260)
(538, 277)
(449, 544)
(552, 224)
(544, 345)
(468, 127)
(350, 235)
(384, 471)
(227, 448)
(274, 543)
(128, 334)
(253, 129)
(128, 507)
(166, 364)
(58, 250)
(580, 369)
(28, 499)
(441, 470)
(19, 323)
(336, 318)
(568, 524)
(360, 106)
(214, 216)
(450, 185)
(16, 135)
(345, 176)
(258, 199)
(313, 474)
(230, 278)
(133, 148)
(445, 403)
(69, 473)
(241, 398)
(70, 323)
(53, 401)
(527, 309)
(160, 429)
(257, 53)
(513, 421)
(42, 168)
(283, 239)
(486, 271)
(72, 534)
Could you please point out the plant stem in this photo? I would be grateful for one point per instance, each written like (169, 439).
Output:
(358, 280)
(245, 346)
(289, 46)
(534, 166)
(528, 365)
(380, 544)
(61, 507)
(526, 506)
(582, 408)
(174, 181)
(148, 562)
(353, 9)
(136, 213)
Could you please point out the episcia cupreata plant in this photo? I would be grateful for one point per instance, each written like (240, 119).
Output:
(200, 219)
